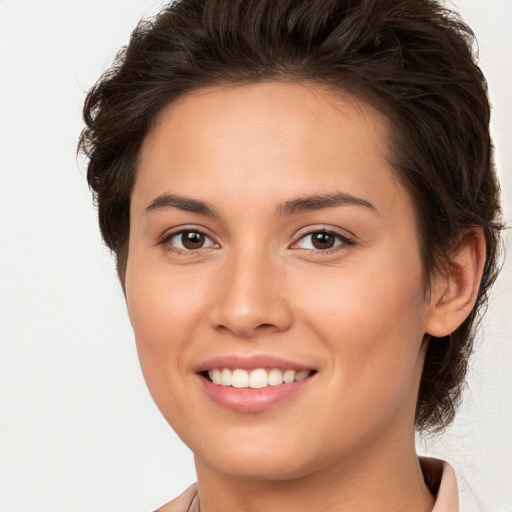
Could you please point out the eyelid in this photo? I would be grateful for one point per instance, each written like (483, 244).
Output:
(171, 233)
(346, 239)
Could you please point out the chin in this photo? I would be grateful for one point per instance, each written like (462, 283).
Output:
(263, 466)
(267, 456)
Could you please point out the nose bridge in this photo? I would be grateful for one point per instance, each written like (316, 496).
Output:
(252, 294)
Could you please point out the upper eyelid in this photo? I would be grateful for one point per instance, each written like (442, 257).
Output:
(342, 233)
(169, 233)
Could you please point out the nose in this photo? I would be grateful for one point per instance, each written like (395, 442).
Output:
(251, 297)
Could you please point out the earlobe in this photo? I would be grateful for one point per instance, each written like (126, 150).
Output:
(455, 292)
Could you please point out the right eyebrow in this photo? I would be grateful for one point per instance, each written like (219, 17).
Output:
(186, 204)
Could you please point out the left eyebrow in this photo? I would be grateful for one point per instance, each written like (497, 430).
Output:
(321, 202)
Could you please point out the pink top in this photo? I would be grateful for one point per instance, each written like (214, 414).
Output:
(439, 474)
(447, 499)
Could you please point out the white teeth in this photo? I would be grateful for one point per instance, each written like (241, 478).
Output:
(240, 379)
(255, 379)
(275, 377)
(258, 378)
(225, 378)
(215, 375)
(301, 375)
(288, 376)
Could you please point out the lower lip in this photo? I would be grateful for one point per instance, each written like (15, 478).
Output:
(252, 400)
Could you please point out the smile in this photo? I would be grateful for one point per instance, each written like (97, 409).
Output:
(257, 378)
(251, 383)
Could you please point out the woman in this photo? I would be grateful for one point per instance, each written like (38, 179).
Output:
(302, 203)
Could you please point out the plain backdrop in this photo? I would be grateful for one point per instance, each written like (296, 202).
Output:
(78, 429)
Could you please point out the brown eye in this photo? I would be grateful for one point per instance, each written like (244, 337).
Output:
(323, 240)
(192, 240)
(189, 240)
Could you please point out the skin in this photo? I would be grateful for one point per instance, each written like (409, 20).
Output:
(356, 313)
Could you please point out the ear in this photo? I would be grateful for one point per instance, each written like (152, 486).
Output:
(455, 292)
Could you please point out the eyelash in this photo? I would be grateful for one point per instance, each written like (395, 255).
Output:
(166, 239)
(343, 239)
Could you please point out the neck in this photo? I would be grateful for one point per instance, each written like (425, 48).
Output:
(386, 480)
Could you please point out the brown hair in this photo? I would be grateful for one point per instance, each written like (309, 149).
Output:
(410, 59)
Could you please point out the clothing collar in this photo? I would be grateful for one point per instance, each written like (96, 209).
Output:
(452, 493)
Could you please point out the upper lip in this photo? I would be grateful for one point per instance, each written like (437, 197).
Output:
(250, 362)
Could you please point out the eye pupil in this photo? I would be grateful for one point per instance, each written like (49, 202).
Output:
(323, 240)
(192, 239)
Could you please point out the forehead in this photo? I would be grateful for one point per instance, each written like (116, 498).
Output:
(265, 138)
(293, 111)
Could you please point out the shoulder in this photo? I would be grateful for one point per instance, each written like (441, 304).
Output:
(182, 502)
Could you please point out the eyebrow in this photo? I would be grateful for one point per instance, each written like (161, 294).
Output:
(293, 206)
(321, 202)
(186, 204)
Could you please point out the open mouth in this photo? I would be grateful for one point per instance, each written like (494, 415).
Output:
(255, 379)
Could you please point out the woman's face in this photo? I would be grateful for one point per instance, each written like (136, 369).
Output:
(270, 233)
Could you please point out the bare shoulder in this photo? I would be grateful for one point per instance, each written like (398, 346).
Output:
(182, 502)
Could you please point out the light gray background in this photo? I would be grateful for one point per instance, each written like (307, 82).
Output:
(78, 430)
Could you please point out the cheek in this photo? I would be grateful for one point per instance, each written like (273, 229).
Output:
(372, 326)
(161, 303)
(369, 301)
(163, 307)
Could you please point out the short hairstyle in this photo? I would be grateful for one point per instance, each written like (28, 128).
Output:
(412, 60)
